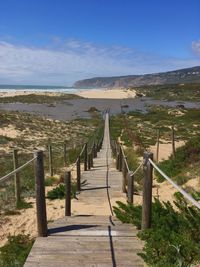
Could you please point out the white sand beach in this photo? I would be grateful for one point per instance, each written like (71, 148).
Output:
(117, 93)
(108, 93)
(12, 93)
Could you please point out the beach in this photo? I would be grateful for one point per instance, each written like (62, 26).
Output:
(117, 93)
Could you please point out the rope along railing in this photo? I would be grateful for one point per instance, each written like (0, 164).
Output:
(16, 170)
(122, 165)
(185, 194)
(128, 181)
(88, 164)
(147, 189)
(39, 171)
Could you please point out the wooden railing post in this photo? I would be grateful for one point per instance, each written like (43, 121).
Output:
(124, 173)
(116, 150)
(117, 161)
(98, 146)
(40, 195)
(50, 160)
(65, 153)
(78, 171)
(91, 158)
(16, 177)
(85, 157)
(130, 187)
(173, 142)
(68, 193)
(94, 150)
(120, 159)
(158, 143)
(147, 191)
(89, 161)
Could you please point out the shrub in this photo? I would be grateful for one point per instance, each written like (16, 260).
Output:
(181, 179)
(49, 181)
(174, 238)
(22, 204)
(15, 251)
(5, 139)
(59, 192)
(185, 155)
(133, 163)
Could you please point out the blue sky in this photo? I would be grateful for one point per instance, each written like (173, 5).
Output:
(59, 42)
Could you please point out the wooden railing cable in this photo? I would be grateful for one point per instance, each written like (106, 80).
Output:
(183, 192)
(16, 170)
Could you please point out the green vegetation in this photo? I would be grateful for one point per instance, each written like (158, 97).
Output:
(49, 181)
(15, 251)
(133, 163)
(187, 158)
(36, 132)
(174, 238)
(169, 92)
(4, 140)
(38, 99)
(24, 205)
(59, 192)
(140, 130)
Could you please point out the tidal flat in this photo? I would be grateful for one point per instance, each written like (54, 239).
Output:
(78, 108)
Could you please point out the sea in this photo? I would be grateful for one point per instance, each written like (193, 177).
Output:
(39, 88)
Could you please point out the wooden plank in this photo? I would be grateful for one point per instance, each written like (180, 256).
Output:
(91, 240)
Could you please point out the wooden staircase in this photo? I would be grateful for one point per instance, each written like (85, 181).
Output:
(87, 239)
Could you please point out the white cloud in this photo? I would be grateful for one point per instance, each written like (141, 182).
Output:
(65, 62)
(196, 47)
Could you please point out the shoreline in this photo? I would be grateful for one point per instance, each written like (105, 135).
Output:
(103, 93)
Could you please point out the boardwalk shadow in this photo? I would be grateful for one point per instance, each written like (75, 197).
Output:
(95, 188)
(70, 228)
(99, 166)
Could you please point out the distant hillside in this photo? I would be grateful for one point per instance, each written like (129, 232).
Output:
(189, 75)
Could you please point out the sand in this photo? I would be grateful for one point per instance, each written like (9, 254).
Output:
(21, 92)
(165, 150)
(10, 131)
(118, 93)
(26, 223)
(107, 93)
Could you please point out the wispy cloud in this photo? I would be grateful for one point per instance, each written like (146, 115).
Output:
(196, 47)
(64, 62)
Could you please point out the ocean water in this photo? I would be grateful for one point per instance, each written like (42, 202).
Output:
(13, 88)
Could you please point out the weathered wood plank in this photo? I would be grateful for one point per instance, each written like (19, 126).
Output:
(91, 240)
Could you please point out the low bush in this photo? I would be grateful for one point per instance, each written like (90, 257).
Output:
(15, 251)
(59, 192)
(133, 163)
(22, 204)
(49, 181)
(174, 238)
(185, 156)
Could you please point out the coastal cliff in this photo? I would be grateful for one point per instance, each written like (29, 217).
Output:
(189, 75)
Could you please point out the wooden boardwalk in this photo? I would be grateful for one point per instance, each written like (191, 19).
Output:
(88, 240)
